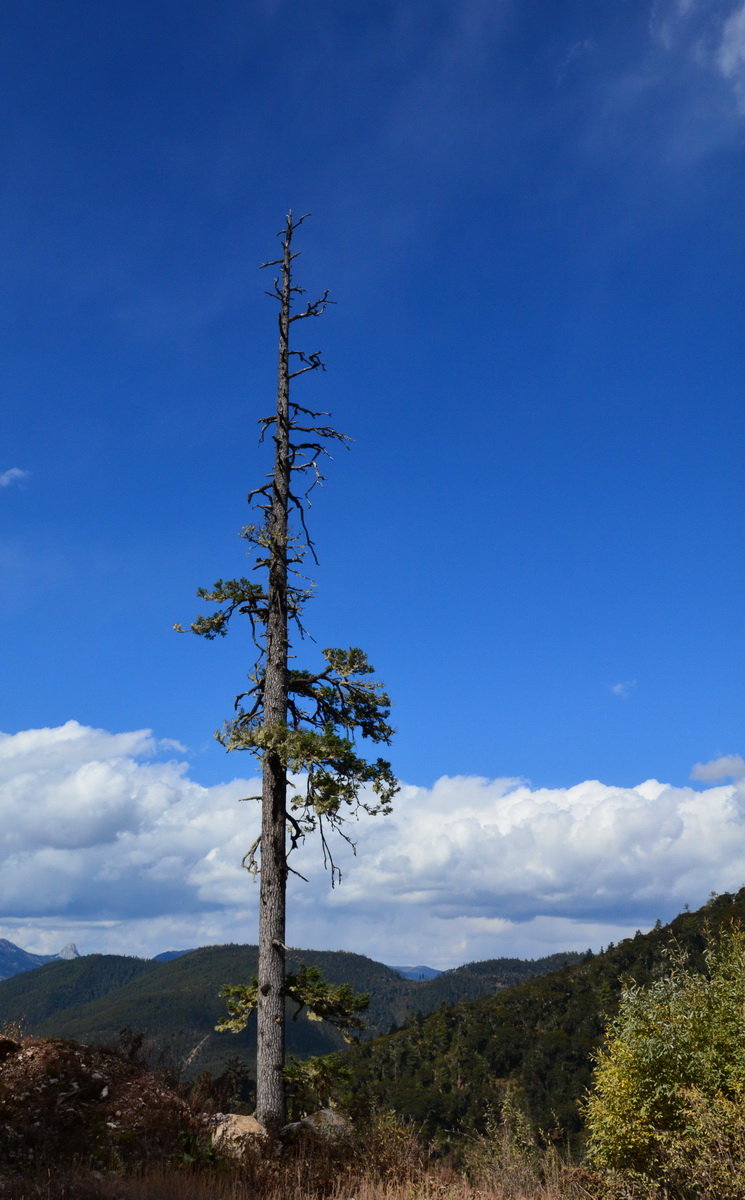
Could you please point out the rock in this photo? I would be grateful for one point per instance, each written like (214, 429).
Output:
(233, 1133)
(69, 951)
(234, 1130)
(326, 1125)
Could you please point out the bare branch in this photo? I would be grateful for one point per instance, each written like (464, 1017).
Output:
(312, 366)
(297, 834)
(259, 491)
(328, 858)
(300, 508)
(308, 412)
(249, 860)
(314, 308)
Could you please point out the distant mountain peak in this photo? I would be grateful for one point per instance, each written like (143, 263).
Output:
(69, 951)
(14, 960)
(417, 973)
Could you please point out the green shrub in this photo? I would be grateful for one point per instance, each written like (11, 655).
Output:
(669, 1085)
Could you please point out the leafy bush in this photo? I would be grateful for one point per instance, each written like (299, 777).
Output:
(667, 1102)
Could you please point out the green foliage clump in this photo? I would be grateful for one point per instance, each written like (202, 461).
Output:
(337, 1004)
(311, 1083)
(315, 743)
(668, 1100)
(324, 709)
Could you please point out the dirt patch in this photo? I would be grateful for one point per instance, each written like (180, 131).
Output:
(62, 1103)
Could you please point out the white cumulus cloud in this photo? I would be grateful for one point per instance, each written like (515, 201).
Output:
(728, 766)
(13, 475)
(104, 843)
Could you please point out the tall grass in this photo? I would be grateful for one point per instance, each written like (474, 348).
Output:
(386, 1161)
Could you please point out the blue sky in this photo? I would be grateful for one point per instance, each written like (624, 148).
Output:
(530, 218)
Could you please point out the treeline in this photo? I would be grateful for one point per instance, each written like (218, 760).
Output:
(482, 978)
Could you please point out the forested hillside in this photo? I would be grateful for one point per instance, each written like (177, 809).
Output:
(447, 1071)
(482, 978)
(33, 997)
(176, 1003)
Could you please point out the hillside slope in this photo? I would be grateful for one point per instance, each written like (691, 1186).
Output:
(177, 1006)
(176, 1003)
(31, 998)
(447, 1071)
(483, 978)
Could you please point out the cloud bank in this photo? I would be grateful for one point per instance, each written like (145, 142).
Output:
(106, 840)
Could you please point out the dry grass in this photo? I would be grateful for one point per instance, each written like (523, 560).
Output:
(385, 1162)
(183, 1185)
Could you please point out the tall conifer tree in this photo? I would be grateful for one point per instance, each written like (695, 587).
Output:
(301, 724)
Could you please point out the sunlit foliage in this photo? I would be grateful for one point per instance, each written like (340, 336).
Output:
(669, 1087)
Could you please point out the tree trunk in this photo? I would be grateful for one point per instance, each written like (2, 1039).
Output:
(270, 1057)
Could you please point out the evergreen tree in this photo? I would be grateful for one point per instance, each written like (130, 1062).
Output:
(300, 723)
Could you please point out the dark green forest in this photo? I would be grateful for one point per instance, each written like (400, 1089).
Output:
(448, 1071)
(176, 1004)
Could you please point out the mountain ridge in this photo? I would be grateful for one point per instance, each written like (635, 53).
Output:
(419, 973)
(176, 1003)
(16, 961)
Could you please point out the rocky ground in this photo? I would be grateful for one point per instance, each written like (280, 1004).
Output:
(62, 1103)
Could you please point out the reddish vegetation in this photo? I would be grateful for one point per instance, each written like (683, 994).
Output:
(62, 1103)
